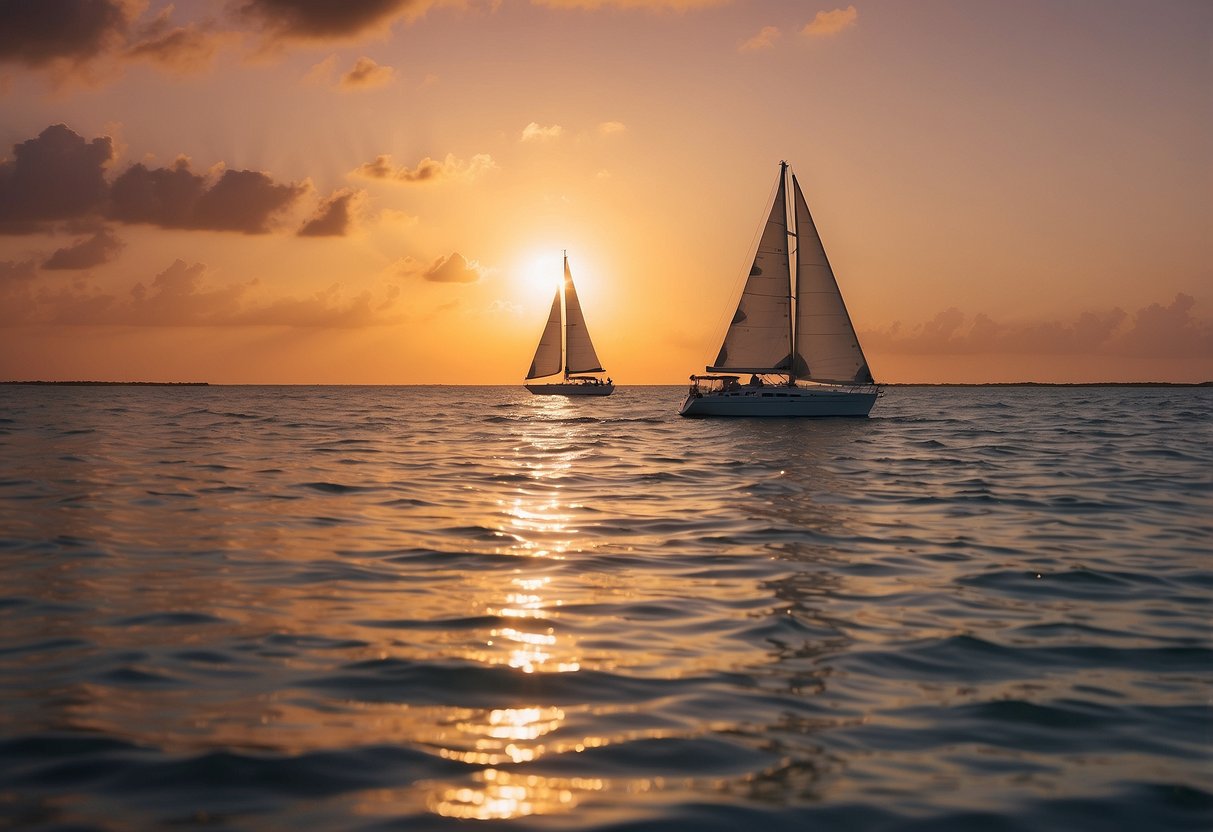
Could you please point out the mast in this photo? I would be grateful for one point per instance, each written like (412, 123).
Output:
(564, 317)
(783, 176)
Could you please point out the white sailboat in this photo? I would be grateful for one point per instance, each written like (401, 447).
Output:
(791, 333)
(578, 351)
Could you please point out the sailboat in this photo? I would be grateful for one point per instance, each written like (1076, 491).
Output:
(578, 352)
(791, 333)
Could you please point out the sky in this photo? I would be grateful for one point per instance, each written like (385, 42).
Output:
(379, 191)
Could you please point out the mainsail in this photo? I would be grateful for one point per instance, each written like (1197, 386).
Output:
(758, 337)
(547, 355)
(579, 350)
(826, 346)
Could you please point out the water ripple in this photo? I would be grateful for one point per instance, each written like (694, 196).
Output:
(386, 608)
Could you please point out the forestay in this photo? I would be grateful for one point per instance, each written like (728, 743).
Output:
(758, 337)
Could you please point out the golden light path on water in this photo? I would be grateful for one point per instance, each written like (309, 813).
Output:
(538, 520)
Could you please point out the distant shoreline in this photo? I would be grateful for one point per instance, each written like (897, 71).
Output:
(678, 384)
(1049, 384)
(115, 383)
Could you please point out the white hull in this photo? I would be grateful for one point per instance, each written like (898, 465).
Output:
(770, 400)
(560, 389)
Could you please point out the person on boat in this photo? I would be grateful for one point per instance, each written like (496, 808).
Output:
(756, 380)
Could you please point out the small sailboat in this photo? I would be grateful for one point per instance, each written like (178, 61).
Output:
(578, 351)
(791, 333)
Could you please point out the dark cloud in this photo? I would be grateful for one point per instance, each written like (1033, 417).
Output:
(59, 177)
(101, 248)
(1153, 332)
(176, 197)
(244, 200)
(179, 49)
(37, 32)
(335, 217)
(159, 196)
(56, 176)
(324, 19)
(453, 269)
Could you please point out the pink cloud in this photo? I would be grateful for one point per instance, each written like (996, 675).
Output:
(827, 24)
(1157, 331)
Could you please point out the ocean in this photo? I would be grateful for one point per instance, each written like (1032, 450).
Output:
(377, 608)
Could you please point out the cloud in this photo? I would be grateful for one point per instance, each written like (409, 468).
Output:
(322, 72)
(652, 5)
(505, 307)
(244, 200)
(320, 20)
(765, 39)
(177, 296)
(533, 132)
(180, 295)
(241, 200)
(427, 170)
(366, 74)
(56, 176)
(398, 219)
(1156, 331)
(610, 128)
(178, 49)
(60, 177)
(827, 24)
(13, 272)
(1168, 332)
(71, 37)
(452, 269)
(335, 217)
(101, 248)
(39, 32)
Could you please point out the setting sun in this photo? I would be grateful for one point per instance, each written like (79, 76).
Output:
(543, 272)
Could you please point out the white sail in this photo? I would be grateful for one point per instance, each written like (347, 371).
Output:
(759, 337)
(547, 355)
(826, 346)
(579, 350)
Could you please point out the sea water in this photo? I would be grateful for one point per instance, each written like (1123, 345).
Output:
(371, 608)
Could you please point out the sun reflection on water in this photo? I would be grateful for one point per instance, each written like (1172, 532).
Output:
(500, 795)
(528, 639)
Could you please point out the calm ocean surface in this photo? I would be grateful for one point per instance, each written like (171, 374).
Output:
(372, 608)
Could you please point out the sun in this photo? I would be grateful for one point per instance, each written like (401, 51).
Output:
(542, 271)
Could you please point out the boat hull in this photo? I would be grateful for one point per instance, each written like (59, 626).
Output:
(780, 401)
(559, 389)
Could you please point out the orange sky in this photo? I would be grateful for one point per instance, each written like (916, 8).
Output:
(275, 191)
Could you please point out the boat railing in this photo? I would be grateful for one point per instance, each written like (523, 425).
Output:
(705, 384)
(712, 384)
